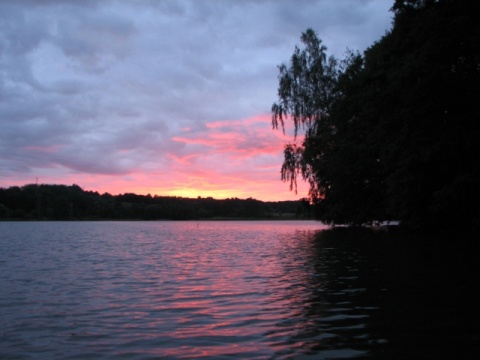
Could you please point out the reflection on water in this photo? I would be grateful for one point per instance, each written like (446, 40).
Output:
(256, 290)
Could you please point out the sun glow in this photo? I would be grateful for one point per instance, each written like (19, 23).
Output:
(195, 193)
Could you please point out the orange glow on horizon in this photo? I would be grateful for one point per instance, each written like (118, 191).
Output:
(239, 158)
(195, 193)
(274, 190)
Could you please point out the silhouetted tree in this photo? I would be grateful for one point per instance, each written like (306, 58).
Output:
(305, 95)
(392, 133)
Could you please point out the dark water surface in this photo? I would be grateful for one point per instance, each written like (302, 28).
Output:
(246, 290)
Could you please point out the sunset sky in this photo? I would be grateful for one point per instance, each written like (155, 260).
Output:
(160, 97)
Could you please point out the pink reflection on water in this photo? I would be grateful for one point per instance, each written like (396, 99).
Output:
(229, 289)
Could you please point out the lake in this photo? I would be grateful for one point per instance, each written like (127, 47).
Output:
(233, 289)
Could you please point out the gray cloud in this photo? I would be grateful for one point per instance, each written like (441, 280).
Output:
(105, 87)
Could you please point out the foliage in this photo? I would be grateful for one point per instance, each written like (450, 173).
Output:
(397, 138)
(306, 92)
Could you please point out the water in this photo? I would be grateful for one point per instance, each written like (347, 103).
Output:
(222, 290)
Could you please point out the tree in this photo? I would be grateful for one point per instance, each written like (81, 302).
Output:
(306, 92)
(392, 133)
(432, 59)
(332, 157)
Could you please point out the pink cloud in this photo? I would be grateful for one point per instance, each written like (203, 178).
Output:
(232, 158)
(239, 138)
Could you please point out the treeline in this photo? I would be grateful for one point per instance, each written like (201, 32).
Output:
(390, 134)
(61, 202)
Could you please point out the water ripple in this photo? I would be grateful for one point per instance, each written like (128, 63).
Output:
(178, 290)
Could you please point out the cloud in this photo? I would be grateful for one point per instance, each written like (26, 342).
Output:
(173, 93)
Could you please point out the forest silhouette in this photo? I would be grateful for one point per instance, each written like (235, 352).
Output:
(62, 202)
